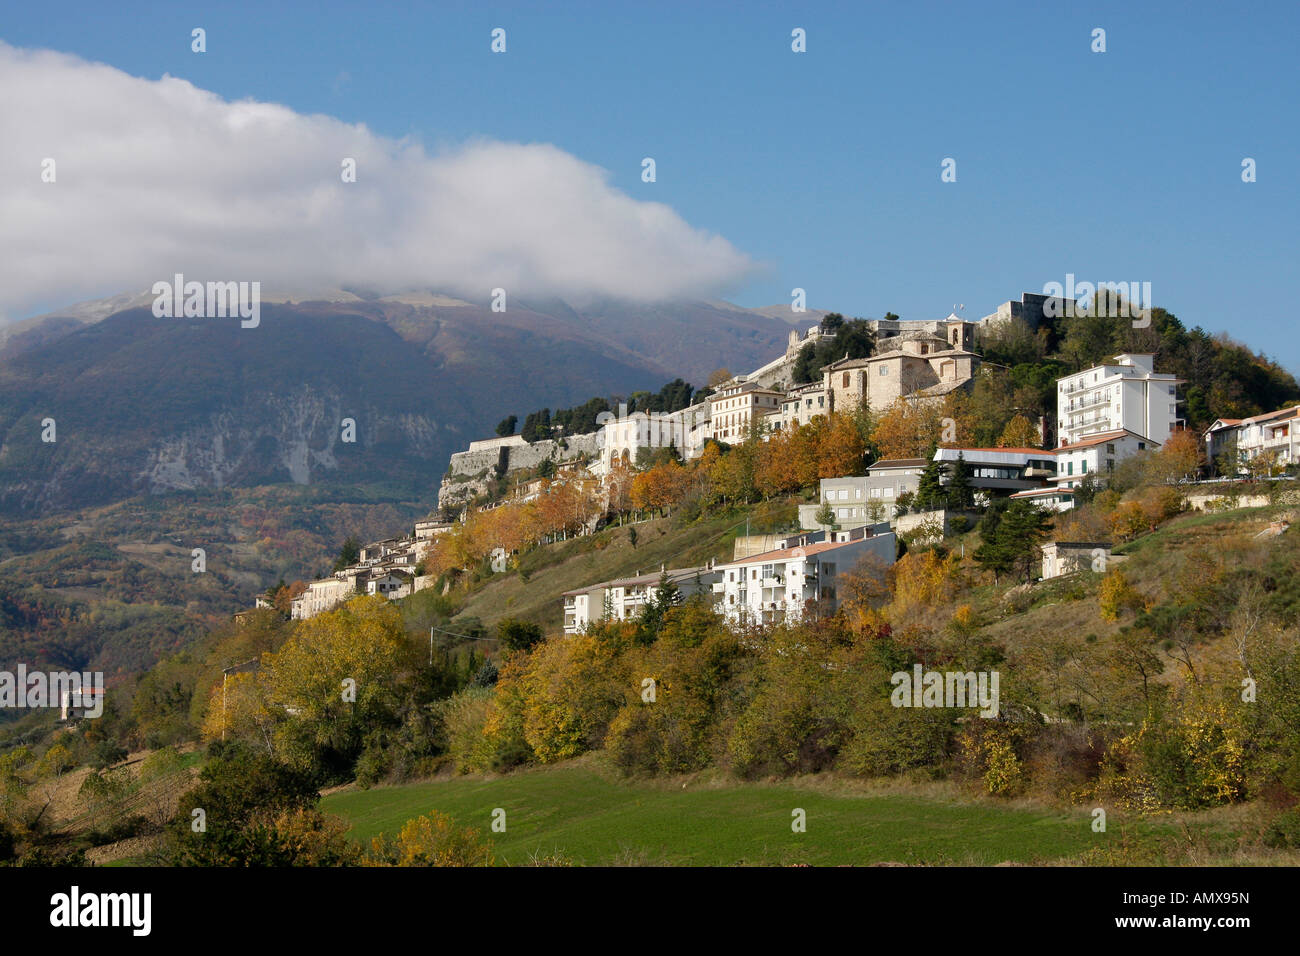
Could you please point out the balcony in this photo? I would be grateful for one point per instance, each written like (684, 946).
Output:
(719, 587)
(773, 582)
(1090, 401)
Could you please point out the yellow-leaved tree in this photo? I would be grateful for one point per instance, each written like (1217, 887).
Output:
(336, 677)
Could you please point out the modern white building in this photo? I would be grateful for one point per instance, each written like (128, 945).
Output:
(1125, 394)
(778, 587)
(623, 598)
(1050, 499)
(1097, 455)
(1001, 469)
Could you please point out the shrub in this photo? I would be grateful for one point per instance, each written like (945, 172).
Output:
(431, 840)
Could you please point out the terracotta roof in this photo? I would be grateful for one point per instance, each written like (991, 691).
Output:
(1034, 492)
(1104, 437)
(898, 463)
(676, 575)
(807, 550)
(1290, 411)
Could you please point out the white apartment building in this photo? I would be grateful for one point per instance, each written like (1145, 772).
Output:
(1097, 455)
(623, 598)
(776, 587)
(734, 407)
(1126, 394)
(1273, 434)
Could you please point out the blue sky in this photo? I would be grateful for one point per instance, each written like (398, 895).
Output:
(825, 166)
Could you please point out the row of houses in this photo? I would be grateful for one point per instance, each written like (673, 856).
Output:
(780, 585)
(1270, 439)
(387, 568)
(912, 363)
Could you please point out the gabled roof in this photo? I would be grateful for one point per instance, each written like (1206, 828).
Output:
(783, 554)
(1290, 411)
(1105, 437)
(675, 575)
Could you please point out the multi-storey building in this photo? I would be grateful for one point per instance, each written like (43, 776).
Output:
(735, 407)
(802, 404)
(623, 598)
(1097, 455)
(780, 586)
(1273, 435)
(861, 500)
(1126, 394)
(1001, 469)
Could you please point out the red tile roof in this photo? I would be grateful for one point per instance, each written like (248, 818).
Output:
(785, 553)
(1105, 437)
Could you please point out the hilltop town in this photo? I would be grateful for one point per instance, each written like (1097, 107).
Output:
(910, 370)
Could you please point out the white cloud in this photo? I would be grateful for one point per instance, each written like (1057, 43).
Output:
(159, 177)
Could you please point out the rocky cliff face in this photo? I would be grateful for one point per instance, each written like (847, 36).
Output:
(147, 405)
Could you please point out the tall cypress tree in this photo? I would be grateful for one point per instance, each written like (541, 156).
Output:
(960, 493)
(929, 490)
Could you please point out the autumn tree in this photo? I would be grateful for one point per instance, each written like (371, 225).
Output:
(908, 429)
(1019, 433)
(336, 679)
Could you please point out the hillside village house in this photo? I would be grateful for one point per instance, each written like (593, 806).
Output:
(859, 500)
(1097, 456)
(1125, 394)
(779, 586)
(736, 406)
(430, 529)
(921, 367)
(1066, 557)
(623, 598)
(801, 405)
(1272, 434)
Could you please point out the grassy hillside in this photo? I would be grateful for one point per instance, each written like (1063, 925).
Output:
(591, 818)
(533, 592)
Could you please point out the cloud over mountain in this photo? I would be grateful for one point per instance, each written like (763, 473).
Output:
(155, 177)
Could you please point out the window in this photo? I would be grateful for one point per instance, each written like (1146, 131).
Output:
(1110, 449)
(845, 383)
(857, 493)
(884, 370)
(1142, 446)
(1083, 467)
(844, 494)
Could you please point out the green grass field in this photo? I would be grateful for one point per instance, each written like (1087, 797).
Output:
(595, 819)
